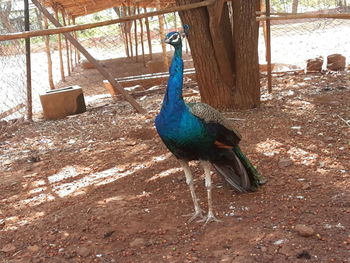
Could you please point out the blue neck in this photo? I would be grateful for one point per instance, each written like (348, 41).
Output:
(173, 94)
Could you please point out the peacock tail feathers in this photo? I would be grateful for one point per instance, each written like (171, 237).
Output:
(238, 171)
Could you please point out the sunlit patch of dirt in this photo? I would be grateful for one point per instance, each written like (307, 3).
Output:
(101, 187)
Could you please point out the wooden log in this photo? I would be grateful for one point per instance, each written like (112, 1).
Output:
(268, 47)
(11, 111)
(129, 32)
(77, 54)
(70, 46)
(48, 54)
(67, 45)
(28, 63)
(148, 36)
(36, 33)
(75, 49)
(98, 66)
(146, 80)
(59, 41)
(162, 34)
(124, 31)
(142, 44)
(136, 38)
(304, 16)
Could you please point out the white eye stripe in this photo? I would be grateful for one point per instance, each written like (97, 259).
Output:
(175, 37)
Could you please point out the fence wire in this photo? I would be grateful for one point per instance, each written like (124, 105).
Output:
(293, 42)
(12, 59)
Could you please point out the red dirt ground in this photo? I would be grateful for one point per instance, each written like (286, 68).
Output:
(101, 187)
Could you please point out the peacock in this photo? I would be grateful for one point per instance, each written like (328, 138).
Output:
(197, 131)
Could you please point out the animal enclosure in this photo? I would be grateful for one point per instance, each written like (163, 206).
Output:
(293, 42)
(101, 187)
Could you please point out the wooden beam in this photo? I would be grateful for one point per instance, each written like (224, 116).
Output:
(92, 60)
(129, 32)
(142, 40)
(36, 33)
(304, 16)
(67, 44)
(70, 45)
(11, 111)
(60, 50)
(77, 54)
(268, 47)
(48, 54)
(148, 36)
(28, 63)
(136, 38)
(161, 35)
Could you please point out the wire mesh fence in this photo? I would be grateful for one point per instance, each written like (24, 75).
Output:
(56, 63)
(12, 59)
(296, 40)
(115, 46)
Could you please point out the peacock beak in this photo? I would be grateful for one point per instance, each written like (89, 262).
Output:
(166, 40)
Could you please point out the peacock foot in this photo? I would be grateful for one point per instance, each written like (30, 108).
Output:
(195, 215)
(209, 218)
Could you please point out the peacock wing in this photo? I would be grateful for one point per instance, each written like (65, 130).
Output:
(215, 121)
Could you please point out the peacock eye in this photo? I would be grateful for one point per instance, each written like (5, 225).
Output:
(175, 37)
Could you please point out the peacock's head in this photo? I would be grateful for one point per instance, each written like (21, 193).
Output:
(175, 38)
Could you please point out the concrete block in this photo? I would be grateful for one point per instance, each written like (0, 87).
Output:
(62, 102)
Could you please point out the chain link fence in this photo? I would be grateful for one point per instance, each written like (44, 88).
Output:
(293, 42)
(12, 59)
(68, 67)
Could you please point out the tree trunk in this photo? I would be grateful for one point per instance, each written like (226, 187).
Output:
(245, 44)
(295, 6)
(214, 46)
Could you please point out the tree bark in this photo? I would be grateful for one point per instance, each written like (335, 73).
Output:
(226, 61)
(245, 44)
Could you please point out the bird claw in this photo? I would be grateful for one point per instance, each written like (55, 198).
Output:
(209, 218)
(194, 215)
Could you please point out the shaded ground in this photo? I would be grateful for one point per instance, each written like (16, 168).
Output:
(101, 187)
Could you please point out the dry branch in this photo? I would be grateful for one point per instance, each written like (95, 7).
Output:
(347, 122)
(11, 111)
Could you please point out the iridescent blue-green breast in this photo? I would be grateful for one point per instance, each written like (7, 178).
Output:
(185, 135)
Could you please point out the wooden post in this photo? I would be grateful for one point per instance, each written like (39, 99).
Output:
(48, 53)
(60, 50)
(70, 46)
(268, 47)
(77, 54)
(175, 21)
(148, 36)
(124, 31)
(67, 29)
(67, 45)
(28, 63)
(162, 35)
(142, 44)
(136, 39)
(91, 59)
(129, 32)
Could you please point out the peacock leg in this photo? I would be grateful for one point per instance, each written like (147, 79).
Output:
(189, 181)
(208, 184)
